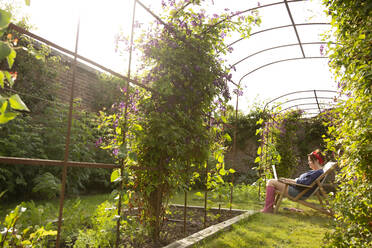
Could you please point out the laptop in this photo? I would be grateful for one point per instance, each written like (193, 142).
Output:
(274, 172)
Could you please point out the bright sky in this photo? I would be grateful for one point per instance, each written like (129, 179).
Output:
(56, 21)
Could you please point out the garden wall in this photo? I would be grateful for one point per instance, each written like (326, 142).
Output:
(86, 79)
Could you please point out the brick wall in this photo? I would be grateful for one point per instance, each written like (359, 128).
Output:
(85, 80)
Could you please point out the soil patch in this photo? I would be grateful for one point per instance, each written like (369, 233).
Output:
(173, 226)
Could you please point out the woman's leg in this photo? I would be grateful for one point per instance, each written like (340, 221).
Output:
(271, 186)
(277, 185)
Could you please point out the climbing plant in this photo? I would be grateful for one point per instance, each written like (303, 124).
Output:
(351, 130)
(279, 143)
(167, 134)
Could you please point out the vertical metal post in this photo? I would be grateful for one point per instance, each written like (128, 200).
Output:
(125, 124)
(206, 182)
(185, 213)
(206, 194)
(67, 146)
(234, 149)
(316, 98)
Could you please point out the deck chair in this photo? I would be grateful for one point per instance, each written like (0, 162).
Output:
(319, 192)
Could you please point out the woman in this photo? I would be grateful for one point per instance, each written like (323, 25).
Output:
(316, 160)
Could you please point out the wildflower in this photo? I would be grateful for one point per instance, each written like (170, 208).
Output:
(321, 49)
(182, 24)
(238, 92)
(13, 75)
(99, 142)
(115, 151)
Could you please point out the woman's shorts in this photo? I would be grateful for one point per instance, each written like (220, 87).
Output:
(293, 192)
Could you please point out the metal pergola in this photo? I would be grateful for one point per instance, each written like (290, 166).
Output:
(65, 163)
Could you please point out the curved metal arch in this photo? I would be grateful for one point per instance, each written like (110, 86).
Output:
(305, 104)
(255, 8)
(276, 47)
(276, 62)
(279, 27)
(302, 98)
(296, 92)
(320, 106)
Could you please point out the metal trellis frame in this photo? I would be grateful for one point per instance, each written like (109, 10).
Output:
(65, 163)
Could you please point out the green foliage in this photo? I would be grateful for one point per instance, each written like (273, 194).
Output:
(47, 185)
(287, 138)
(8, 104)
(279, 137)
(102, 233)
(14, 235)
(350, 130)
(246, 126)
(45, 138)
(106, 92)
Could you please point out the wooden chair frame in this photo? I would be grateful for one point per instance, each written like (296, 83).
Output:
(319, 191)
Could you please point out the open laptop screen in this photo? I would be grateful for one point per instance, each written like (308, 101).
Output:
(274, 172)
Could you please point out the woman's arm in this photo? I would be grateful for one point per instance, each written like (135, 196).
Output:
(309, 177)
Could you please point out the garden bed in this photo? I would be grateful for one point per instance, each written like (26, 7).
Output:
(173, 227)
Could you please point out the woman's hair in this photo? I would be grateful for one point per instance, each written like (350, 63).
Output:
(316, 156)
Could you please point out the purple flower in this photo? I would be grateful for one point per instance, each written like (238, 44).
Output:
(321, 49)
(228, 77)
(182, 24)
(258, 4)
(215, 15)
(230, 49)
(223, 35)
(115, 124)
(197, 68)
(238, 92)
(115, 151)
(201, 16)
(99, 142)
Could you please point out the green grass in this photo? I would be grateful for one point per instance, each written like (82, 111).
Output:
(88, 202)
(303, 230)
(286, 229)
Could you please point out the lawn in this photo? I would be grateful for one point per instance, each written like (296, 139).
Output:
(286, 229)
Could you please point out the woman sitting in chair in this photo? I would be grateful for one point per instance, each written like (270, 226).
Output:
(316, 160)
